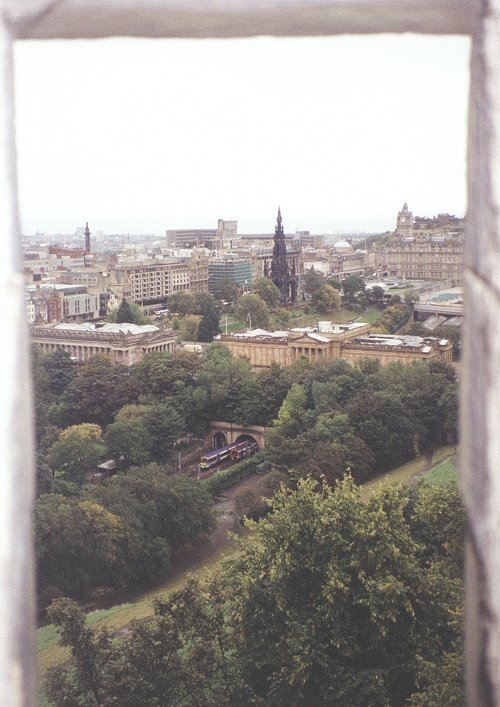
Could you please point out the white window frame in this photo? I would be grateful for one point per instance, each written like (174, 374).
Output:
(480, 389)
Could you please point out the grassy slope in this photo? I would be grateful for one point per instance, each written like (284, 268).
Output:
(442, 473)
(118, 617)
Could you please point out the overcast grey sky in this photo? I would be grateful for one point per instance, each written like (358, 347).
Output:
(142, 135)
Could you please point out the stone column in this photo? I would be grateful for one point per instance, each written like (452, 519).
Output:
(17, 655)
(480, 392)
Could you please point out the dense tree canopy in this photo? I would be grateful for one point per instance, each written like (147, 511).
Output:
(95, 395)
(117, 534)
(372, 417)
(336, 601)
(77, 451)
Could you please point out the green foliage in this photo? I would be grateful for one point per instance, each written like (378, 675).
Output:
(128, 440)
(229, 477)
(393, 318)
(117, 534)
(291, 414)
(128, 312)
(326, 299)
(78, 450)
(253, 310)
(367, 418)
(376, 294)
(312, 281)
(208, 327)
(158, 374)
(164, 423)
(335, 601)
(188, 327)
(60, 371)
(124, 313)
(182, 302)
(411, 296)
(95, 395)
(265, 288)
(225, 289)
(353, 288)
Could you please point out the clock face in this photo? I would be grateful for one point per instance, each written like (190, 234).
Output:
(403, 219)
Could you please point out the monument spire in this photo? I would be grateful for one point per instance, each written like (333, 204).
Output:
(87, 237)
(280, 273)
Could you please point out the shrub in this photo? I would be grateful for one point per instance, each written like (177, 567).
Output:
(229, 477)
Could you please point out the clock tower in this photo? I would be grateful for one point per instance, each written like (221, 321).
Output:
(404, 224)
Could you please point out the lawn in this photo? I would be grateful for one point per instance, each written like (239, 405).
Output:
(340, 316)
(370, 316)
(442, 473)
(118, 617)
(412, 470)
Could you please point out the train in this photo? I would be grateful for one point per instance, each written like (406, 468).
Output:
(230, 452)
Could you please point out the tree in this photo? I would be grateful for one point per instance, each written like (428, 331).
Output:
(60, 371)
(334, 282)
(164, 424)
(336, 601)
(331, 611)
(79, 545)
(225, 289)
(204, 302)
(376, 294)
(265, 288)
(188, 327)
(354, 289)
(98, 392)
(78, 451)
(132, 313)
(90, 651)
(124, 313)
(411, 296)
(312, 281)
(182, 302)
(291, 413)
(129, 441)
(326, 299)
(158, 374)
(208, 327)
(253, 310)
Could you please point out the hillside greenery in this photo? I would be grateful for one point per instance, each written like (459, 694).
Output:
(336, 601)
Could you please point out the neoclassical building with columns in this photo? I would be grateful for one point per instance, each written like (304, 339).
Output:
(351, 342)
(124, 344)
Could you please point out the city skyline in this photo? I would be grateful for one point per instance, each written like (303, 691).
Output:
(142, 136)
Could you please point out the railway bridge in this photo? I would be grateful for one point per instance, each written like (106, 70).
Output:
(421, 310)
(222, 433)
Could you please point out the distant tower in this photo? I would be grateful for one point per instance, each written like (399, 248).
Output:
(404, 224)
(280, 273)
(87, 237)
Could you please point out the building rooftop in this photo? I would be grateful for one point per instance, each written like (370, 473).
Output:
(112, 328)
